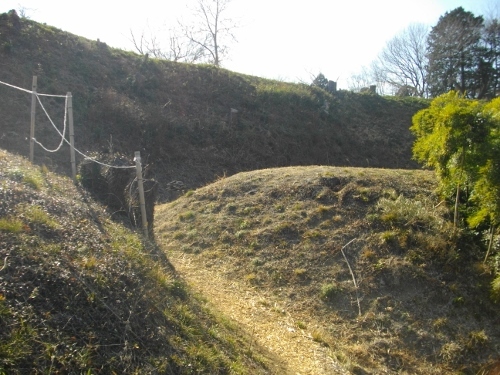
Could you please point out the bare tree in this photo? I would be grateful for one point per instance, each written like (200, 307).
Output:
(402, 63)
(205, 38)
(141, 44)
(212, 30)
(359, 80)
(183, 49)
(368, 78)
(179, 48)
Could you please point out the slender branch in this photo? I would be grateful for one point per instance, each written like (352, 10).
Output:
(352, 273)
(490, 243)
(4, 263)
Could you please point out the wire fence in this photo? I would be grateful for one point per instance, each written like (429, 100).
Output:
(68, 112)
(63, 133)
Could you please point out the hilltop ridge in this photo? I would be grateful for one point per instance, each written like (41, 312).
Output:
(301, 205)
(363, 261)
(179, 115)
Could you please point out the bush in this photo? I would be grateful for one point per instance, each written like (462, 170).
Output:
(409, 212)
(117, 187)
(329, 291)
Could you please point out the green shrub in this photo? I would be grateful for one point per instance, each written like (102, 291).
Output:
(329, 291)
(11, 225)
(407, 212)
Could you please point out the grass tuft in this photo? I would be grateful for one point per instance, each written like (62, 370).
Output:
(38, 216)
(11, 225)
(329, 291)
(406, 212)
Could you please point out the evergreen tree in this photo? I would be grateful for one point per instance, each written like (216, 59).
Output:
(491, 37)
(456, 58)
(450, 136)
(321, 81)
(486, 190)
(460, 139)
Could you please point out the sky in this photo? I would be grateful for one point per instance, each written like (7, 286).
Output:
(276, 39)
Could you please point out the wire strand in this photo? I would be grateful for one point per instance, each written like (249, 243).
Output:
(31, 91)
(63, 135)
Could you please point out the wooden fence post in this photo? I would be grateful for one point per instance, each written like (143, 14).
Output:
(33, 112)
(138, 169)
(71, 136)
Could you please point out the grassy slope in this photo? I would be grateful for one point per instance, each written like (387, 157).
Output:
(418, 288)
(82, 294)
(178, 114)
(423, 292)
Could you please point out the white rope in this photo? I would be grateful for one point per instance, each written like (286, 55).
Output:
(63, 135)
(6, 84)
(63, 138)
(101, 163)
(54, 96)
(30, 91)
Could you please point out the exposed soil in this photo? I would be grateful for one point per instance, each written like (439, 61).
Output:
(263, 316)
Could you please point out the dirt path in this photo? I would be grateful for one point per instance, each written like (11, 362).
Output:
(271, 326)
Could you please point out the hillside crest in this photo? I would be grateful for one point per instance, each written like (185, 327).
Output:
(182, 116)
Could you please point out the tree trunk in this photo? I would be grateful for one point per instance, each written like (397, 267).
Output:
(457, 197)
(490, 242)
(455, 214)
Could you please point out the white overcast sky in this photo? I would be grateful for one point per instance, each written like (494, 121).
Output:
(278, 39)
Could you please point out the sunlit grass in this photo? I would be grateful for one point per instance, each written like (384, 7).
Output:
(11, 225)
(37, 215)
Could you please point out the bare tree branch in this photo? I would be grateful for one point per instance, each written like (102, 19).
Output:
(179, 48)
(212, 31)
(403, 61)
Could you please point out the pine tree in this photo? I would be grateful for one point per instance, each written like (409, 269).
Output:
(491, 38)
(455, 55)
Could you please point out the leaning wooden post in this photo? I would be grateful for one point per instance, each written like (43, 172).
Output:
(32, 128)
(138, 169)
(71, 136)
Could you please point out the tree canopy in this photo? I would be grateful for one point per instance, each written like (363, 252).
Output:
(455, 56)
(460, 139)
(461, 53)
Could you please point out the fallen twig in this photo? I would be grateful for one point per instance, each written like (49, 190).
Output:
(352, 273)
(4, 263)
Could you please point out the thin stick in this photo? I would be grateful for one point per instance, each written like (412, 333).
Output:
(490, 243)
(4, 263)
(32, 124)
(352, 273)
(71, 136)
(142, 201)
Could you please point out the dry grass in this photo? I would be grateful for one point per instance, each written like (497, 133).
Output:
(277, 234)
(81, 294)
(423, 307)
